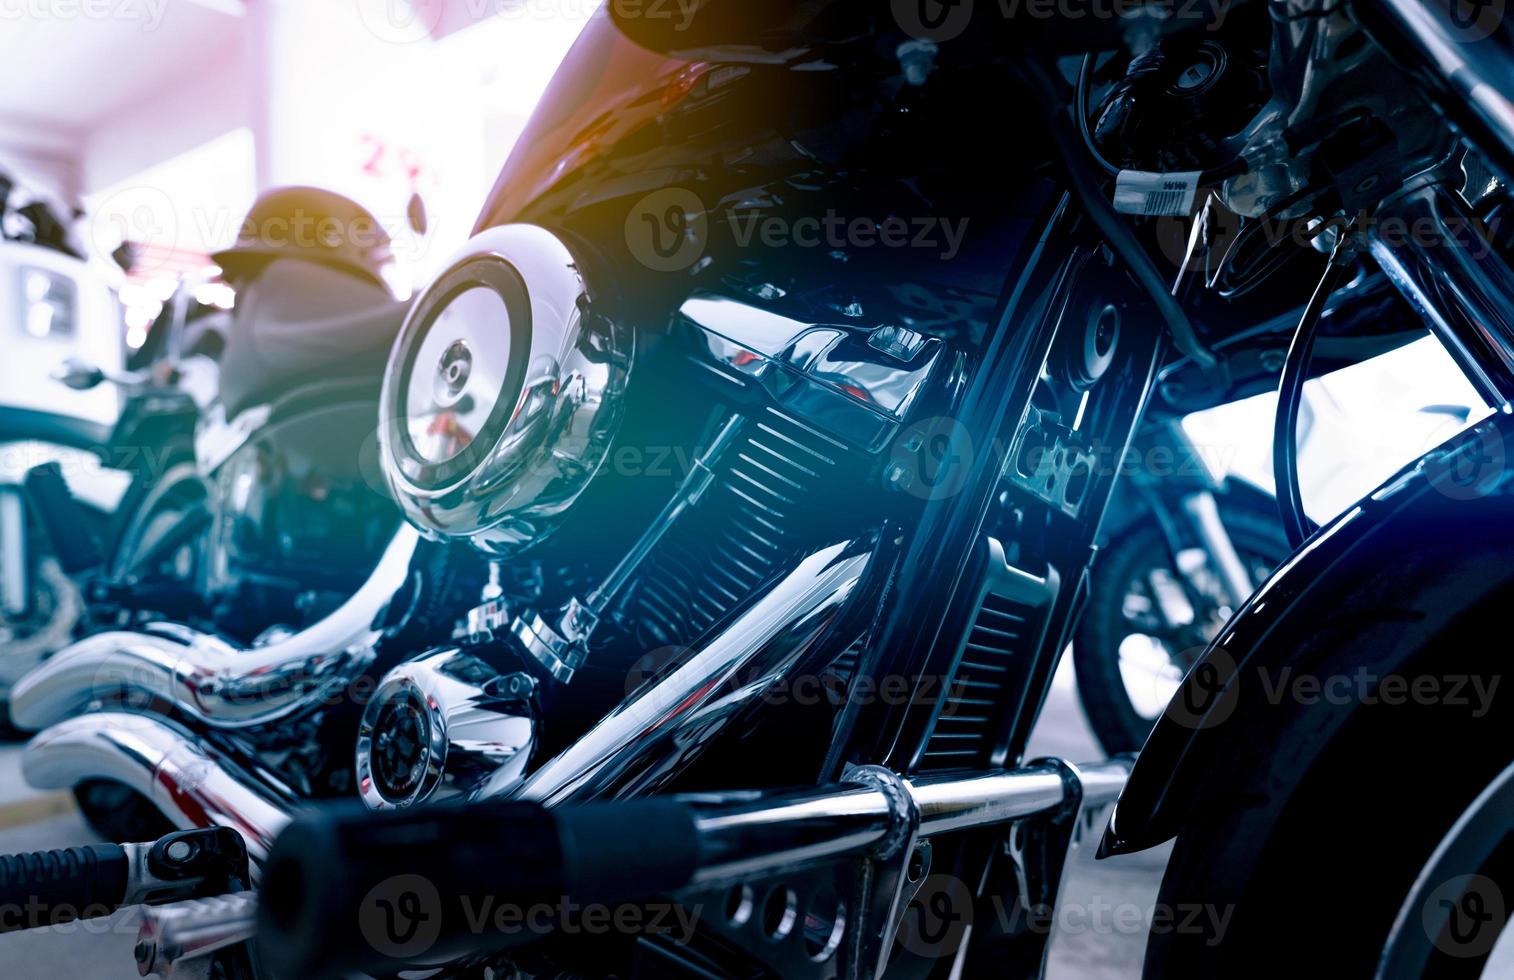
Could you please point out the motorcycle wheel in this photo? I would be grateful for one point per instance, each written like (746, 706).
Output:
(56, 610)
(1327, 848)
(119, 813)
(1127, 659)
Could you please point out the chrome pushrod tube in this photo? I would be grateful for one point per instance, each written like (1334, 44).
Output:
(215, 682)
(762, 834)
(1433, 251)
(662, 725)
(192, 784)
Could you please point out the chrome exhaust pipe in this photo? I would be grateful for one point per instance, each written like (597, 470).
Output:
(192, 784)
(657, 729)
(215, 682)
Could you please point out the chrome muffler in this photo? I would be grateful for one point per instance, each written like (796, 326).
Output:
(212, 681)
(193, 784)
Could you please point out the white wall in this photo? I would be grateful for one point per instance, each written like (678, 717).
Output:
(208, 98)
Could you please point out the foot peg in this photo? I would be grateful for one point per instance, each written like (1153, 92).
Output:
(47, 888)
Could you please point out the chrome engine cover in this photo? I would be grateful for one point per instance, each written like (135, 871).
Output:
(439, 726)
(501, 394)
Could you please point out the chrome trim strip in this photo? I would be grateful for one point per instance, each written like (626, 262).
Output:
(768, 833)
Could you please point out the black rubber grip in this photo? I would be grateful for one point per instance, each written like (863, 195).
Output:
(346, 890)
(45, 888)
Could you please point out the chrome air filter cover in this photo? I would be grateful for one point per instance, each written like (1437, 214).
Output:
(501, 393)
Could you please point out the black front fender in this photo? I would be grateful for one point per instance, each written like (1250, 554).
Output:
(1426, 546)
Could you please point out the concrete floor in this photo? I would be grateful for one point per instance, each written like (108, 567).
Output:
(101, 950)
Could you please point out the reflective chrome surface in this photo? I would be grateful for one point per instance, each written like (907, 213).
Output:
(441, 724)
(458, 376)
(192, 784)
(209, 679)
(174, 940)
(1204, 515)
(1463, 52)
(854, 381)
(748, 836)
(954, 803)
(661, 726)
(501, 393)
(1440, 258)
(561, 646)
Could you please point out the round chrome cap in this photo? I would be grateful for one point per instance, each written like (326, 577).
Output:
(501, 393)
(440, 725)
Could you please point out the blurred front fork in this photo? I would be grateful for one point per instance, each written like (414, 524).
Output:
(1191, 487)
(1203, 513)
(15, 589)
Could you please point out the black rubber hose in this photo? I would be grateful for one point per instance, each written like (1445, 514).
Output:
(46, 888)
(1233, 167)
(346, 890)
(1290, 397)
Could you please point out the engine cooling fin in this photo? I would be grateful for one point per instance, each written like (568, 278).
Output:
(999, 645)
(760, 511)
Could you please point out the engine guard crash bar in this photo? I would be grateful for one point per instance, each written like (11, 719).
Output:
(694, 848)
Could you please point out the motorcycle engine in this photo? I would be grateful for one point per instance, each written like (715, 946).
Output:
(757, 428)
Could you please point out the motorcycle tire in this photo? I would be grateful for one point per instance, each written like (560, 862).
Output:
(1310, 841)
(118, 813)
(1116, 722)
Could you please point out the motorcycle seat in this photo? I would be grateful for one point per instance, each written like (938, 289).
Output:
(301, 323)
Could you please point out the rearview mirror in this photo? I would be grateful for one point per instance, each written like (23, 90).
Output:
(415, 214)
(78, 374)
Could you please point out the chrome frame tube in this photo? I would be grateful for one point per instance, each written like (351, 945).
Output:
(656, 729)
(1466, 66)
(194, 785)
(760, 834)
(1454, 280)
(215, 682)
(1204, 511)
(15, 591)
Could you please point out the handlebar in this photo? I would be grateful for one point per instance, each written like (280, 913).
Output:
(45, 888)
(430, 884)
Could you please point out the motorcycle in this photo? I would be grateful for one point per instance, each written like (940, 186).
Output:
(778, 491)
(55, 304)
(1186, 540)
(1181, 551)
(238, 521)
